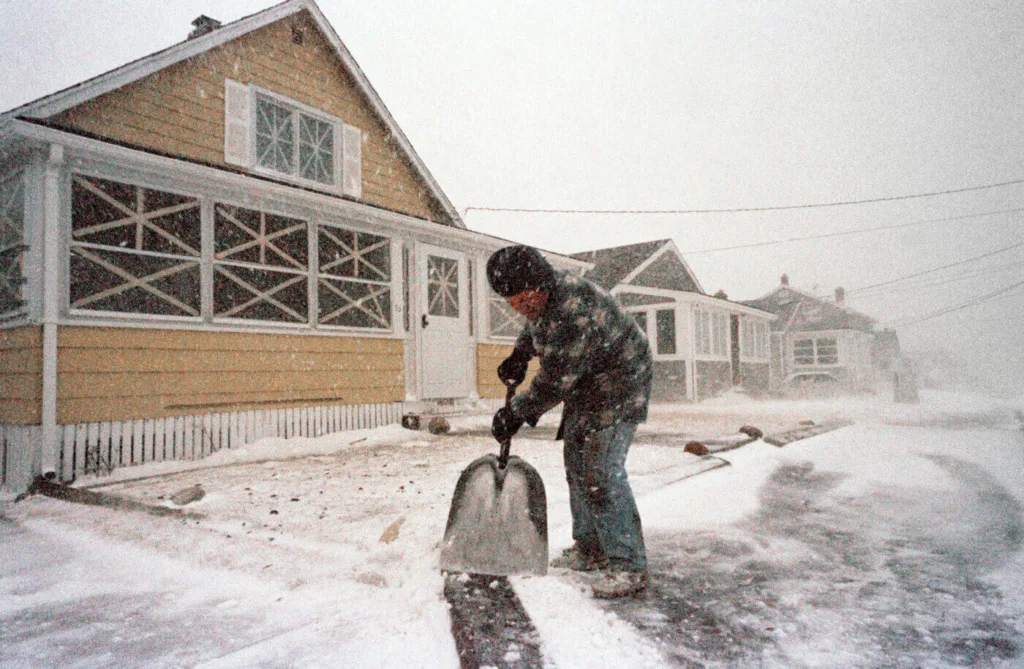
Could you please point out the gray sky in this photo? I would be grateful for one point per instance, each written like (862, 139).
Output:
(681, 105)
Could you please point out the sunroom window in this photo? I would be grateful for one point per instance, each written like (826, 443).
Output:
(261, 266)
(821, 351)
(504, 320)
(293, 142)
(666, 326)
(354, 283)
(711, 332)
(12, 245)
(134, 250)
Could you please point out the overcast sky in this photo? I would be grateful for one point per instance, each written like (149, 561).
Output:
(682, 105)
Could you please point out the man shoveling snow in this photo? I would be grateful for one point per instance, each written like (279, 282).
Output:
(595, 359)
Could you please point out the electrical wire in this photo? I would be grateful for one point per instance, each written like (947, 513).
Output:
(936, 269)
(855, 232)
(958, 307)
(936, 282)
(818, 205)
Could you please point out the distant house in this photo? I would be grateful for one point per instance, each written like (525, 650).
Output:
(228, 239)
(703, 345)
(817, 340)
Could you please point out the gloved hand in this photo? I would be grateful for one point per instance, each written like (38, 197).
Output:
(505, 424)
(512, 371)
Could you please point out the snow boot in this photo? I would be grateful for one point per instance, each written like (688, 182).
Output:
(577, 560)
(618, 583)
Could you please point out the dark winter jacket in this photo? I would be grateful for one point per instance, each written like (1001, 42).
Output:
(593, 356)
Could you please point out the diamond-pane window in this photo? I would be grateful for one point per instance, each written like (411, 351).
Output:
(133, 249)
(354, 283)
(442, 286)
(293, 142)
(12, 247)
(275, 136)
(261, 265)
(316, 150)
(503, 319)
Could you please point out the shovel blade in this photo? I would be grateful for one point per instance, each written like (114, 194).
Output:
(498, 523)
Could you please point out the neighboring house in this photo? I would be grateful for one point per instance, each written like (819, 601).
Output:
(226, 240)
(815, 340)
(702, 345)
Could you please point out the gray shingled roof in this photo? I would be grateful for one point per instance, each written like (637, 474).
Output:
(612, 265)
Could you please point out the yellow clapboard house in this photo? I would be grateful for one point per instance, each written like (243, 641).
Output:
(227, 240)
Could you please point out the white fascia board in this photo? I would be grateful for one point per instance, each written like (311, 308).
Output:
(381, 220)
(690, 297)
(82, 92)
(642, 266)
(733, 307)
(385, 115)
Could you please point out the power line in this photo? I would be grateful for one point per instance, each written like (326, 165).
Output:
(938, 282)
(959, 307)
(936, 269)
(736, 210)
(854, 232)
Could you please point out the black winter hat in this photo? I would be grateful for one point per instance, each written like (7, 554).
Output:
(513, 269)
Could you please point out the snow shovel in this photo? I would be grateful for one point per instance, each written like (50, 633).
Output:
(498, 523)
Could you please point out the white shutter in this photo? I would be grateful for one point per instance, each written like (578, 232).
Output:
(237, 115)
(352, 161)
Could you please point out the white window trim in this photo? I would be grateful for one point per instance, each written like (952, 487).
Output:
(759, 349)
(814, 337)
(392, 282)
(651, 313)
(19, 176)
(491, 296)
(336, 123)
(713, 314)
(208, 200)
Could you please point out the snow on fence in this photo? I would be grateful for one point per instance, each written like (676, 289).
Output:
(98, 448)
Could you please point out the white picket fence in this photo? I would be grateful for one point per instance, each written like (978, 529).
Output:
(99, 448)
(19, 448)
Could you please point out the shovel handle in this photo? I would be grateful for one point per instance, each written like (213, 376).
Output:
(506, 445)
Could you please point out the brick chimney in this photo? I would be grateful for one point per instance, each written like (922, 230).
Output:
(784, 279)
(840, 297)
(204, 25)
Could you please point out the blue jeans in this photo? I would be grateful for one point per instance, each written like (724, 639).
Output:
(605, 520)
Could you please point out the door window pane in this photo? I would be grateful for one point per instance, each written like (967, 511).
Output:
(442, 286)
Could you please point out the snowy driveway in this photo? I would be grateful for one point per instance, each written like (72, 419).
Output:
(895, 542)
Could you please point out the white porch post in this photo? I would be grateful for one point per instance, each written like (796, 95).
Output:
(51, 305)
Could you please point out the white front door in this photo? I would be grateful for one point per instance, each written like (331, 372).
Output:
(443, 322)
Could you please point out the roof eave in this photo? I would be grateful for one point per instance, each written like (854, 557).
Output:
(67, 98)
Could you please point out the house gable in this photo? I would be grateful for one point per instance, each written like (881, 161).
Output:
(179, 109)
(656, 264)
(800, 312)
(668, 272)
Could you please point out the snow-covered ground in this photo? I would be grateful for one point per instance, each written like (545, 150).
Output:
(893, 542)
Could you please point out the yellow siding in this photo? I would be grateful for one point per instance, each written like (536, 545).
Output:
(180, 110)
(122, 373)
(488, 357)
(21, 376)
